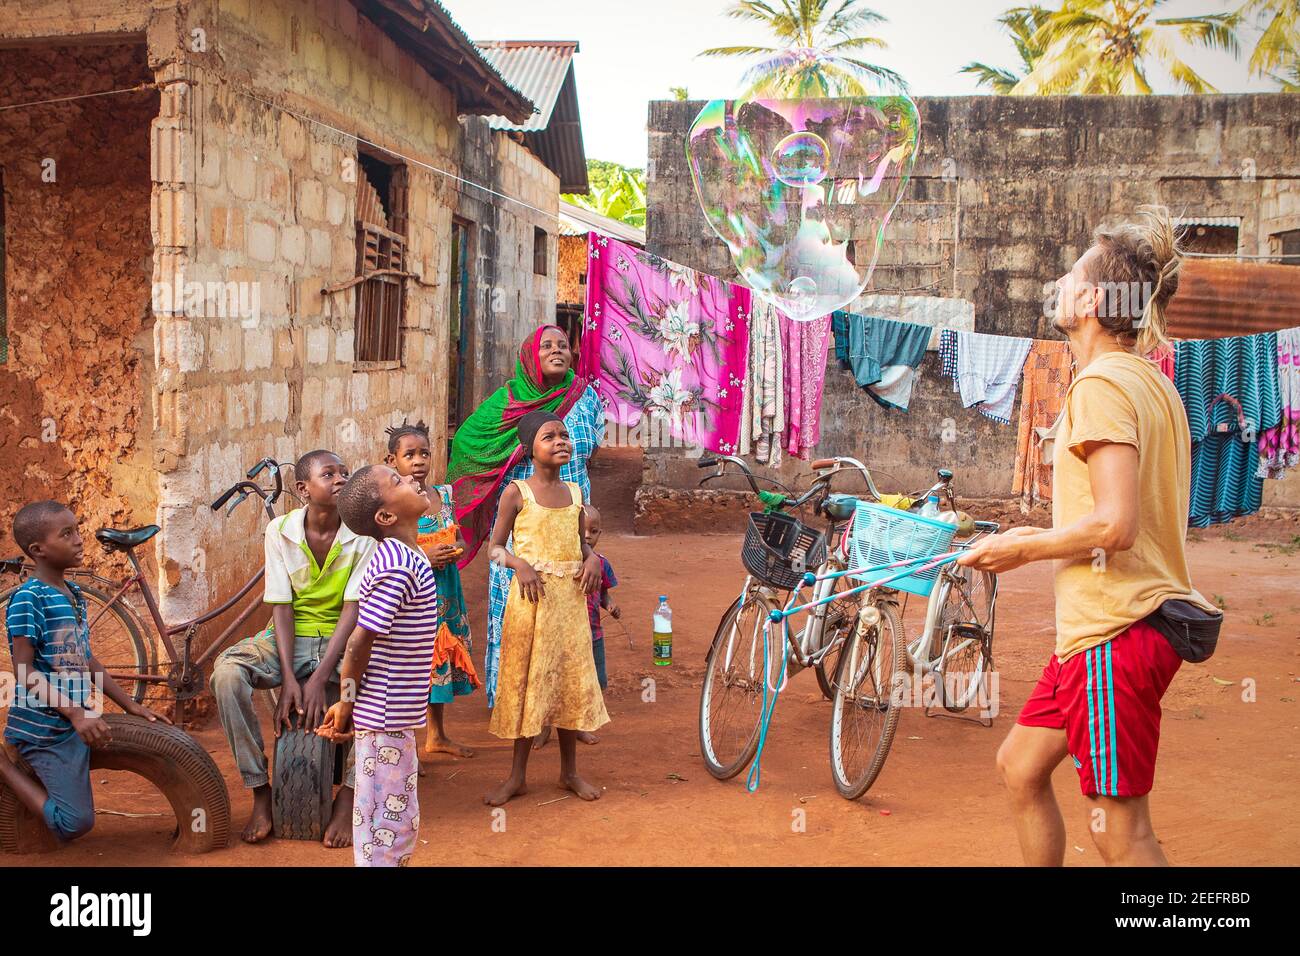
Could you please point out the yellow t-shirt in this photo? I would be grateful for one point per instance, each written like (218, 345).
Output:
(1125, 399)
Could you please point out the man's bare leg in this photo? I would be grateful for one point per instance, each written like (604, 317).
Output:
(1122, 831)
(1026, 760)
(25, 787)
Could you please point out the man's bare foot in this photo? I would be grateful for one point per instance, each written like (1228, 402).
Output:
(502, 794)
(442, 745)
(423, 770)
(338, 832)
(258, 827)
(540, 740)
(587, 791)
(587, 737)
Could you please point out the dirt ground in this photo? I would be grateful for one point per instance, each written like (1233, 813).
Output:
(1225, 785)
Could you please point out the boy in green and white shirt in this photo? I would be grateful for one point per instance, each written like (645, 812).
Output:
(314, 565)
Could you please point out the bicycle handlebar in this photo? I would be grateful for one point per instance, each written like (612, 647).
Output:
(248, 487)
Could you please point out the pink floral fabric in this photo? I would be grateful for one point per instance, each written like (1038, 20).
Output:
(805, 374)
(1279, 447)
(666, 347)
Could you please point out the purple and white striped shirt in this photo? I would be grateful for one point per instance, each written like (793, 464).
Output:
(399, 601)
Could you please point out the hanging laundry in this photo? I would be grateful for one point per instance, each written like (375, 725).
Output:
(1279, 446)
(883, 354)
(985, 368)
(666, 346)
(762, 423)
(1048, 371)
(805, 374)
(1229, 388)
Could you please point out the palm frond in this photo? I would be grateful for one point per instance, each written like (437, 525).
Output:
(996, 79)
(737, 51)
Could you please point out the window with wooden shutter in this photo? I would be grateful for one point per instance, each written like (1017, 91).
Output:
(381, 258)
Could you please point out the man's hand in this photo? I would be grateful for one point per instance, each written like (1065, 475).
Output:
(136, 710)
(530, 583)
(313, 700)
(290, 705)
(614, 611)
(337, 725)
(591, 573)
(1001, 552)
(93, 730)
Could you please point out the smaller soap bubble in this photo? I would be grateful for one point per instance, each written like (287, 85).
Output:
(801, 159)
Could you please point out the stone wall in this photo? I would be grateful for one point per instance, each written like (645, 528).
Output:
(74, 422)
(1005, 195)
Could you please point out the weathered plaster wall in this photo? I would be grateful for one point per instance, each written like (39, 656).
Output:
(1005, 195)
(510, 299)
(74, 420)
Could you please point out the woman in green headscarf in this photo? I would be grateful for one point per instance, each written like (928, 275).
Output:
(485, 455)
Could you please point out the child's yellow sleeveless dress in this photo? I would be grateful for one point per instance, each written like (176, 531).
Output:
(548, 675)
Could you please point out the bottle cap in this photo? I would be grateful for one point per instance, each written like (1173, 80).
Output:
(663, 597)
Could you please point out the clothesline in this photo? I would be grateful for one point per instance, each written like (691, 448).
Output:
(718, 368)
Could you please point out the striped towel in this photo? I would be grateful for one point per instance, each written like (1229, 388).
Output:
(987, 369)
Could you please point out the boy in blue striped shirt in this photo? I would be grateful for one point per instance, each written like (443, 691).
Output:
(55, 719)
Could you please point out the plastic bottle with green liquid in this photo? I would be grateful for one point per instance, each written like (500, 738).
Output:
(663, 637)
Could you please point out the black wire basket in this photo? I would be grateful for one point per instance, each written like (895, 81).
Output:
(779, 549)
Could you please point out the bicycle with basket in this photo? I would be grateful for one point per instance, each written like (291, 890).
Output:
(859, 569)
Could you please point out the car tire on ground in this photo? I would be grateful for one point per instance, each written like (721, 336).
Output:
(302, 785)
(170, 759)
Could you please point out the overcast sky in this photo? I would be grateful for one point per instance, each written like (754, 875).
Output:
(633, 52)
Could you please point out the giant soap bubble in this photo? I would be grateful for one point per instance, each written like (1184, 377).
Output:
(801, 191)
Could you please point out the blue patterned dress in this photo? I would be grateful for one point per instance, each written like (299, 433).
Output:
(586, 424)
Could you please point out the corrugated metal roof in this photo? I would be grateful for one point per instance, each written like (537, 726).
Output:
(425, 30)
(1218, 298)
(576, 221)
(1234, 221)
(536, 68)
(543, 70)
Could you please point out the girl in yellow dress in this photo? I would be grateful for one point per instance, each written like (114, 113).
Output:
(547, 672)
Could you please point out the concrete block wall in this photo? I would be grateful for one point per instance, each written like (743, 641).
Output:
(1005, 195)
(262, 192)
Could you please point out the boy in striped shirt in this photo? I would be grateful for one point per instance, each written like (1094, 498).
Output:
(387, 666)
(55, 718)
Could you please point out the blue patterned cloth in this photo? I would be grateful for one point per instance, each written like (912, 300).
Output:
(586, 424)
(1225, 454)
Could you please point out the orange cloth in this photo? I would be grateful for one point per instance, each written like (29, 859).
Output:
(448, 647)
(1048, 372)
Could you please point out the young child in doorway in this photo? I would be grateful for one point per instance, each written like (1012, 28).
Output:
(547, 672)
(386, 666)
(56, 715)
(440, 540)
(596, 600)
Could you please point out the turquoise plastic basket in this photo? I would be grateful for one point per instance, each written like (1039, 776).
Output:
(882, 535)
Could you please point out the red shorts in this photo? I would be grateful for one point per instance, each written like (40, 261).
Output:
(1107, 700)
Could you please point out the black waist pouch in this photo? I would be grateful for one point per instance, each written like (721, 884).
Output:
(1191, 631)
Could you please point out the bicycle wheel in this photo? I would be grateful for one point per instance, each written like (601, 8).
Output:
(116, 640)
(731, 700)
(840, 617)
(865, 712)
(962, 674)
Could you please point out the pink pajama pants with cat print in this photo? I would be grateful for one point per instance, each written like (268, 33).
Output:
(386, 806)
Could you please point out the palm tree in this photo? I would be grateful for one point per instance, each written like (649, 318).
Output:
(1104, 46)
(815, 57)
(1278, 47)
(1022, 23)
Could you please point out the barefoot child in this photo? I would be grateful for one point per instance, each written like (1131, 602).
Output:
(596, 600)
(314, 565)
(387, 664)
(547, 673)
(55, 717)
(440, 540)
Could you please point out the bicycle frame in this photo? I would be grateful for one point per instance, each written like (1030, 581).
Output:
(923, 660)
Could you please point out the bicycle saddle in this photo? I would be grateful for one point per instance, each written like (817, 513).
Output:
(115, 539)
